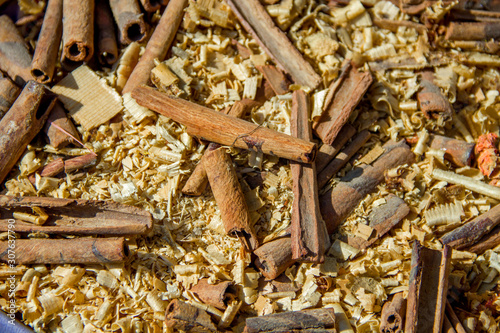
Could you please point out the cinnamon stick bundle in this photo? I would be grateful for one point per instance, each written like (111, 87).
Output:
(158, 44)
(428, 289)
(8, 94)
(274, 257)
(67, 251)
(153, 5)
(277, 80)
(76, 217)
(312, 320)
(58, 120)
(21, 124)
(216, 295)
(327, 152)
(186, 317)
(345, 99)
(393, 315)
(255, 19)
(78, 32)
(49, 40)
(129, 19)
(431, 100)
(107, 50)
(229, 196)
(473, 30)
(15, 59)
(223, 129)
(460, 152)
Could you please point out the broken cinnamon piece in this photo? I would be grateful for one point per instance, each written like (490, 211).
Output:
(8, 94)
(309, 237)
(67, 251)
(216, 295)
(77, 217)
(129, 20)
(327, 152)
(206, 123)
(58, 120)
(49, 40)
(345, 100)
(428, 289)
(186, 317)
(382, 219)
(431, 100)
(28, 113)
(393, 314)
(452, 317)
(153, 5)
(473, 31)
(158, 45)
(276, 79)
(394, 25)
(229, 196)
(460, 152)
(335, 85)
(15, 59)
(255, 19)
(52, 169)
(107, 50)
(78, 32)
(274, 257)
(490, 47)
(342, 158)
(80, 162)
(490, 241)
(337, 203)
(312, 320)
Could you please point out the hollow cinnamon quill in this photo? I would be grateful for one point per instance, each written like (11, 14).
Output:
(223, 129)
(8, 94)
(393, 315)
(153, 5)
(129, 19)
(78, 31)
(274, 257)
(107, 50)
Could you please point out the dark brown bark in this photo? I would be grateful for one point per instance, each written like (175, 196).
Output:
(216, 295)
(58, 120)
(327, 152)
(78, 32)
(430, 99)
(393, 315)
(186, 317)
(473, 30)
(107, 50)
(278, 81)
(274, 257)
(80, 162)
(313, 320)
(8, 94)
(130, 20)
(459, 152)
(490, 241)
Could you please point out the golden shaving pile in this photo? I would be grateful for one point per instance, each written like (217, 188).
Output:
(145, 160)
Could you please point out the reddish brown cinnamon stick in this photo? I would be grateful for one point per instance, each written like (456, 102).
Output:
(487, 15)
(345, 100)
(186, 317)
(313, 320)
(459, 152)
(8, 94)
(107, 50)
(153, 5)
(47, 46)
(52, 169)
(78, 32)
(309, 238)
(223, 129)
(21, 124)
(274, 257)
(255, 19)
(15, 59)
(327, 152)
(473, 30)
(277, 80)
(80, 162)
(216, 295)
(431, 100)
(67, 251)
(393, 25)
(490, 241)
(342, 158)
(58, 120)
(393, 315)
(129, 19)
(428, 289)
(158, 44)
(454, 321)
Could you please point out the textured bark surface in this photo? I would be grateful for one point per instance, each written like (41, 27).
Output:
(490, 241)
(8, 94)
(107, 50)
(473, 30)
(278, 81)
(393, 315)
(214, 294)
(430, 99)
(129, 20)
(58, 119)
(78, 32)
(454, 320)
(293, 321)
(460, 152)
(327, 152)
(186, 317)
(274, 257)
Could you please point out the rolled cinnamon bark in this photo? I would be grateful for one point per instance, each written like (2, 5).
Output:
(49, 40)
(277, 80)
(78, 31)
(327, 152)
(8, 94)
(472, 31)
(15, 59)
(216, 295)
(80, 162)
(158, 44)
(58, 127)
(186, 317)
(393, 315)
(107, 50)
(67, 251)
(153, 5)
(430, 99)
(130, 20)
(459, 152)
(52, 169)
(21, 124)
(274, 257)
(490, 241)
(313, 320)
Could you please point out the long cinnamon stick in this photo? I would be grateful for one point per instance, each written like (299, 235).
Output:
(327, 152)
(309, 238)
(77, 217)
(67, 251)
(342, 158)
(490, 241)
(431, 100)
(158, 44)
(428, 289)
(21, 124)
(274, 257)
(454, 320)
(229, 196)
(337, 203)
(129, 19)
(313, 320)
(47, 46)
(345, 100)
(186, 317)
(460, 152)
(393, 315)
(216, 295)
(15, 59)
(107, 50)
(8, 94)
(53, 168)
(78, 32)
(224, 129)
(58, 120)
(473, 31)
(255, 19)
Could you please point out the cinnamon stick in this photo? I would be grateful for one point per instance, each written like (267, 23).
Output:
(224, 129)
(52, 169)
(158, 44)
(277, 80)
(78, 32)
(428, 289)
(393, 315)
(255, 19)
(327, 152)
(129, 19)
(342, 158)
(15, 59)
(47, 46)
(345, 100)
(490, 241)
(309, 238)
(471, 232)
(216, 295)
(153, 5)
(473, 30)
(312, 320)
(393, 25)
(490, 47)
(488, 15)
(58, 120)
(431, 100)
(274, 257)
(67, 251)
(80, 162)
(460, 152)
(454, 321)
(382, 219)
(21, 124)
(8, 94)
(229, 196)
(76, 217)
(186, 317)
(107, 50)
(447, 327)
